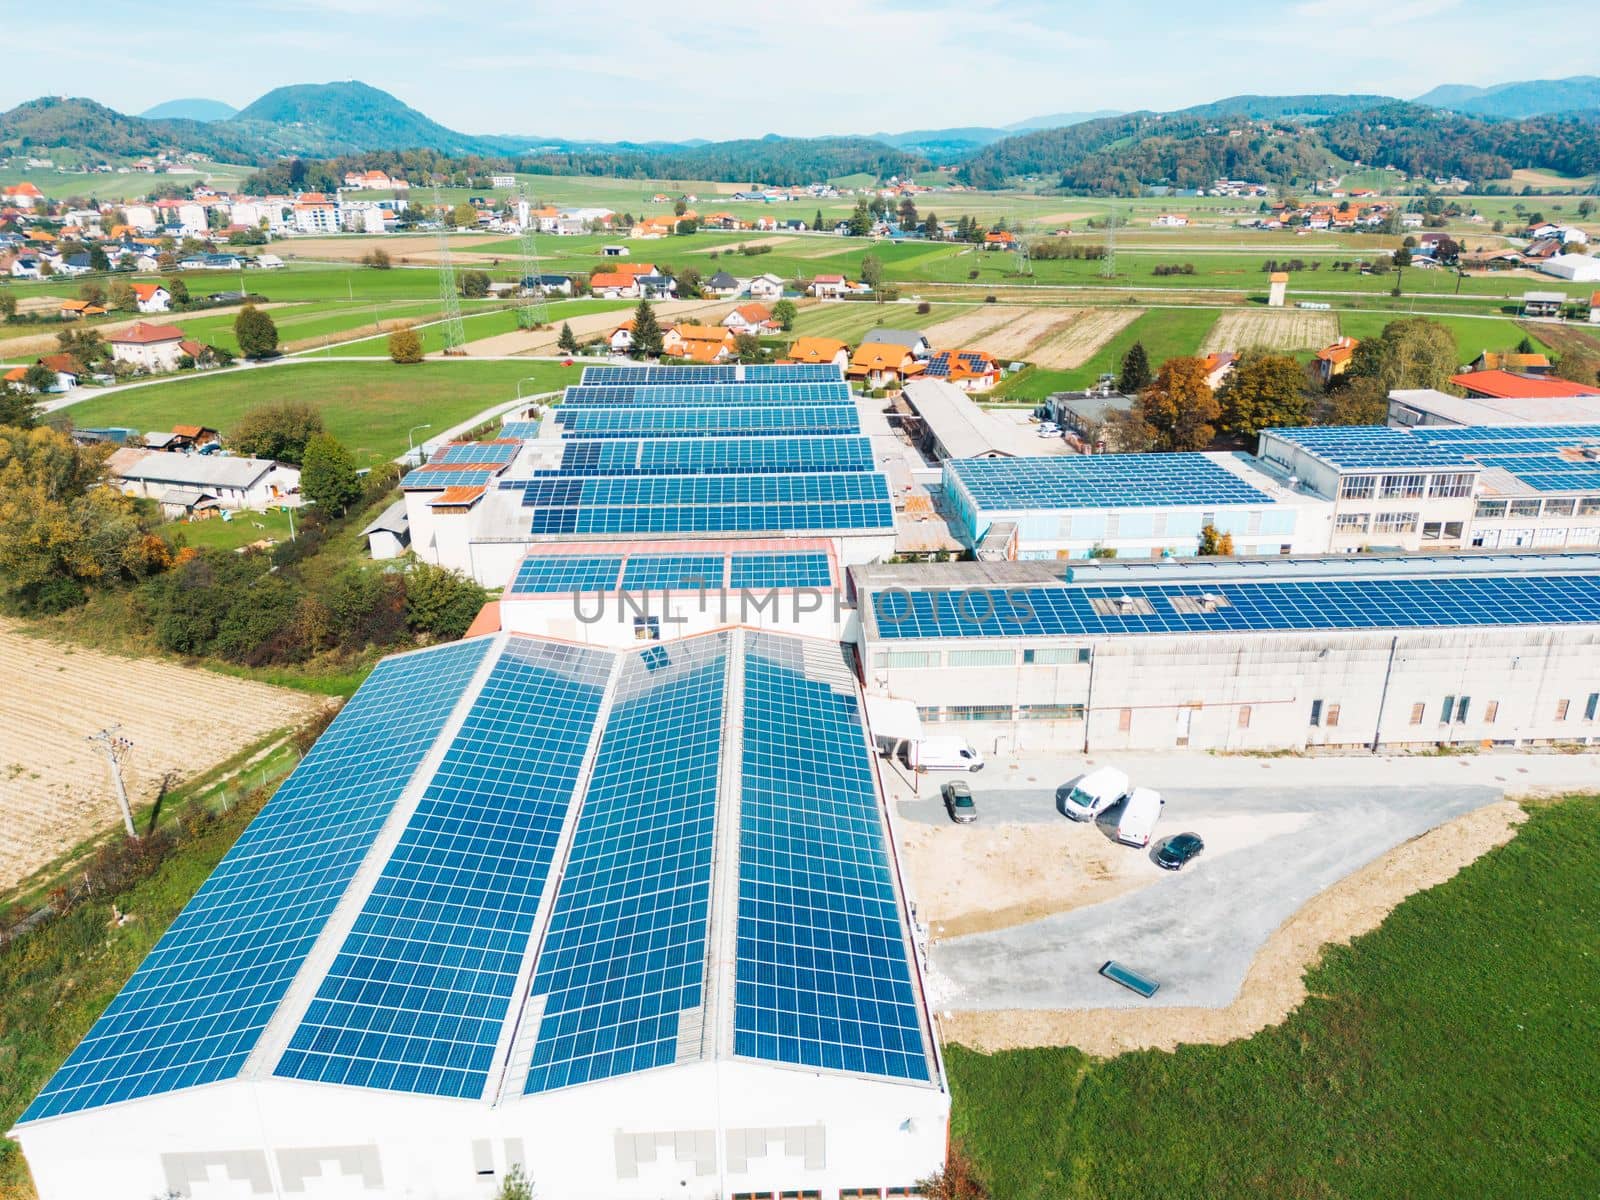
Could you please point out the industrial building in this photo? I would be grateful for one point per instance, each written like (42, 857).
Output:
(662, 453)
(630, 919)
(1270, 654)
(1128, 505)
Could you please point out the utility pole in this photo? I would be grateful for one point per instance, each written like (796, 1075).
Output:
(1108, 264)
(454, 336)
(535, 312)
(114, 746)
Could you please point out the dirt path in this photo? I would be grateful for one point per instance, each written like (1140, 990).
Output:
(543, 341)
(54, 791)
(1275, 985)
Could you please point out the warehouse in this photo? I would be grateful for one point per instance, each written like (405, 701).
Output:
(1129, 505)
(630, 920)
(1235, 655)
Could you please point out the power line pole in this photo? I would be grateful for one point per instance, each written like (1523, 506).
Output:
(1019, 231)
(454, 335)
(114, 747)
(535, 312)
(1108, 264)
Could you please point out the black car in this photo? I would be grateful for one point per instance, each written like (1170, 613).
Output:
(1178, 850)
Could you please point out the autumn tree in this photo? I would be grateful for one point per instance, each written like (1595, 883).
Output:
(1580, 366)
(405, 345)
(464, 216)
(647, 340)
(277, 431)
(328, 476)
(1413, 352)
(1214, 543)
(1135, 375)
(1356, 400)
(256, 332)
(92, 293)
(1180, 406)
(1261, 392)
(122, 296)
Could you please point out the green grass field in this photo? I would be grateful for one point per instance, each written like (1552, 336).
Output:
(368, 406)
(1165, 332)
(1454, 1052)
(1473, 334)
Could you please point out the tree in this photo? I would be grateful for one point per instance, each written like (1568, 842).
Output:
(178, 290)
(256, 332)
(908, 213)
(98, 260)
(783, 312)
(62, 530)
(930, 225)
(1356, 401)
(860, 220)
(92, 293)
(1525, 346)
(38, 378)
(378, 259)
(748, 347)
(405, 345)
(1585, 207)
(680, 207)
(1211, 542)
(816, 221)
(872, 271)
(328, 476)
(1261, 392)
(464, 216)
(1135, 376)
(441, 602)
(1180, 406)
(83, 346)
(647, 341)
(122, 296)
(515, 1186)
(475, 285)
(8, 306)
(18, 409)
(1413, 352)
(567, 343)
(1580, 366)
(279, 431)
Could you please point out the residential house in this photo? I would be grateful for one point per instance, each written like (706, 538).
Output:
(765, 287)
(812, 350)
(74, 264)
(25, 266)
(635, 268)
(750, 318)
(703, 343)
(234, 483)
(22, 195)
(613, 285)
(191, 437)
(315, 212)
(722, 284)
(373, 181)
(147, 347)
(66, 369)
(74, 310)
(999, 241)
(1526, 364)
(656, 287)
(152, 297)
(969, 370)
(878, 364)
(1334, 359)
(620, 339)
(547, 285)
(912, 340)
(1217, 367)
(828, 287)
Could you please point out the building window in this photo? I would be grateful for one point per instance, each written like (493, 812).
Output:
(905, 658)
(1490, 510)
(1316, 712)
(1525, 508)
(1125, 720)
(1448, 708)
(983, 658)
(1589, 506)
(1450, 486)
(647, 629)
(1562, 507)
(1561, 709)
(977, 712)
(1431, 530)
(1050, 712)
(930, 713)
(1491, 710)
(1333, 716)
(1590, 708)
(1396, 522)
(1351, 522)
(1462, 707)
(1402, 487)
(1055, 656)
(1416, 713)
(1357, 487)
(1244, 716)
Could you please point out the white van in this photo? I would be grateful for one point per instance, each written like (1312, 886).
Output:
(1137, 821)
(943, 754)
(1094, 793)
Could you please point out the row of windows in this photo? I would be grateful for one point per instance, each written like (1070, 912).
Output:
(1405, 487)
(1457, 710)
(1563, 506)
(1001, 712)
(1044, 656)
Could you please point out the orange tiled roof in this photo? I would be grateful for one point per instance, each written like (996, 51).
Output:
(815, 350)
(142, 334)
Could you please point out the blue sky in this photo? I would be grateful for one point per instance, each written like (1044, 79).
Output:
(628, 69)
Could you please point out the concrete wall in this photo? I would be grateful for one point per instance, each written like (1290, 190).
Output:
(698, 1131)
(1164, 692)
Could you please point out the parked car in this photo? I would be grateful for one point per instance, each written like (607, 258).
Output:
(958, 802)
(1178, 850)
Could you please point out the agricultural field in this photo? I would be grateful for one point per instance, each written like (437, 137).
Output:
(1165, 332)
(1444, 1054)
(1271, 329)
(181, 721)
(369, 406)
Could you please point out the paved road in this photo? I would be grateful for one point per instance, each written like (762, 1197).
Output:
(1195, 931)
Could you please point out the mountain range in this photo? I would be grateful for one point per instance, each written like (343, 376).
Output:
(1530, 98)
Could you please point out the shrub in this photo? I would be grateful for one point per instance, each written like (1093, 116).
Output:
(441, 602)
(405, 345)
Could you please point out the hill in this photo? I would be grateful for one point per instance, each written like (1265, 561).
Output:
(191, 109)
(341, 118)
(61, 121)
(1529, 98)
(1061, 120)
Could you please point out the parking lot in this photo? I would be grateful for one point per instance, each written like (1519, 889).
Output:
(1023, 906)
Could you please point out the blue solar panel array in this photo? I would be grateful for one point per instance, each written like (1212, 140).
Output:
(566, 573)
(427, 478)
(474, 453)
(1379, 447)
(1100, 480)
(626, 949)
(780, 571)
(556, 573)
(651, 572)
(694, 395)
(730, 373)
(714, 456)
(522, 430)
(1545, 457)
(822, 977)
(709, 504)
(193, 1011)
(1328, 604)
(813, 419)
(418, 994)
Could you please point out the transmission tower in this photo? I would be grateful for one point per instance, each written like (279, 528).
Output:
(1019, 230)
(534, 312)
(1108, 264)
(449, 302)
(115, 748)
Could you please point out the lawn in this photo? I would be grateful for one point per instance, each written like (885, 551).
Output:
(1473, 334)
(1165, 332)
(1453, 1052)
(230, 532)
(369, 406)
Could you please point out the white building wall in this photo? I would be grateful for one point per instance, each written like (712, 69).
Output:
(614, 620)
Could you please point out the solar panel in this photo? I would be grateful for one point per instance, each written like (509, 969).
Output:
(1099, 480)
(193, 1011)
(706, 456)
(1333, 604)
(469, 453)
(650, 572)
(1547, 458)
(426, 478)
(690, 395)
(780, 571)
(822, 977)
(625, 953)
(728, 373)
(566, 573)
(416, 998)
(523, 430)
(709, 422)
(1375, 446)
